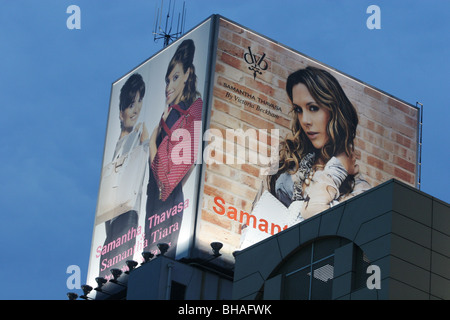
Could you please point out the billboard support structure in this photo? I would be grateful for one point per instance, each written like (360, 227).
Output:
(222, 188)
(419, 151)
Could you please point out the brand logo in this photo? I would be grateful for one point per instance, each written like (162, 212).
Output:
(256, 65)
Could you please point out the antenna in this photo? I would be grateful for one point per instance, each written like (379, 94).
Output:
(166, 33)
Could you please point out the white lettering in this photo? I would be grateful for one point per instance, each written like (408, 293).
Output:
(74, 280)
(374, 280)
(374, 21)
(74, 21)
(206, 311)
(181, 152)
(246, 309)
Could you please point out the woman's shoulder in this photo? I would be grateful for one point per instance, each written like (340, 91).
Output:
(198, 102)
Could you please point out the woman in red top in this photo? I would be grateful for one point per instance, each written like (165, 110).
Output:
(165, 211)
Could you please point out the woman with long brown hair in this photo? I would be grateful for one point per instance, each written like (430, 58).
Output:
(317, 162)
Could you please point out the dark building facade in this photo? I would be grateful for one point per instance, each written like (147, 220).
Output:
(392, 242)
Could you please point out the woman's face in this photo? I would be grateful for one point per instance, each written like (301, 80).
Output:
(312, 117)
(175, 84)
(129, 116)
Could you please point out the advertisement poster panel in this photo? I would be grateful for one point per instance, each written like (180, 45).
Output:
(156, 111)
(289, 137)
(273, 137)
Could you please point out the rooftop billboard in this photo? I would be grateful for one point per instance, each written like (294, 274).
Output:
(245, 139)
(289, 137)
(144, 199)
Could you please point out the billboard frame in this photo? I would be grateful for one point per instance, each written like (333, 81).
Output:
(197, 253)
(194, 252)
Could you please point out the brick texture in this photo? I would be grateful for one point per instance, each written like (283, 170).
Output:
(386, 141)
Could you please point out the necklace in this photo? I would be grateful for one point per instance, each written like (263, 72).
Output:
(304, 167)
(313, 170)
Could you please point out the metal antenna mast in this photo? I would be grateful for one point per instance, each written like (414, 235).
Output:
(166, 33)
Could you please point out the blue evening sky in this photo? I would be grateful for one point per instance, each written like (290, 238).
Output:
(55, 87)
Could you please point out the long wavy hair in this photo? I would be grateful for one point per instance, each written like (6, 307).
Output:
(341, 128)
(185, 56)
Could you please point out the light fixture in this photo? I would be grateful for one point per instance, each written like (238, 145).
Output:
(163, 247)
(116, 274)
(216, 246)
(86, 290)
(100, 281)
(72, 295)
(205, 264)
(147, 256)
(131, 264)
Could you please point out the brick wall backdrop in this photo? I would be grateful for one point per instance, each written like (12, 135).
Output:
(386, 136)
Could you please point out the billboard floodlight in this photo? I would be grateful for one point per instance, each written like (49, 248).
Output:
(100, 281)
(86, 290)
(163, 247)
(216, 246)
(116, 273)
(131, 264)
(147, 256)
(72, 295)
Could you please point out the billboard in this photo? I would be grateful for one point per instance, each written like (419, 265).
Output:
(155, 110)
(273, 137)
(289, 137)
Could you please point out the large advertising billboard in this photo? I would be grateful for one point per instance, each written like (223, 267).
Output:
(289, 137)
(156, 110)
(227, 136)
